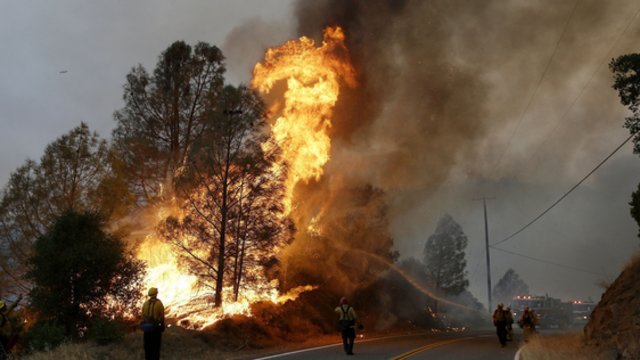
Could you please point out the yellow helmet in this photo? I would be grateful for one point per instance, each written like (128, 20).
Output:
(153, 292)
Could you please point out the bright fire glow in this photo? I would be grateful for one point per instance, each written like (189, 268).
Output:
(312, 74)
(185, 300)
(312, 77)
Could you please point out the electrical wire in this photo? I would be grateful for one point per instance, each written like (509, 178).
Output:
(535, 91)
(546, 261)
(586, 85)
(566, 193)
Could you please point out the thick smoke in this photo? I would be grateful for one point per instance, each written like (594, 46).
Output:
(444, 84)
(460, 98)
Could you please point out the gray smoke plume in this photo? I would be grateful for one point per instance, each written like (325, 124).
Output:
(460, 99)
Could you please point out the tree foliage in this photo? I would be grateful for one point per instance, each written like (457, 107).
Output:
(164, 113)
(74, 173)
(444, 257)
(509, 285)
(79, 271)
(626, 74)
(231, 197)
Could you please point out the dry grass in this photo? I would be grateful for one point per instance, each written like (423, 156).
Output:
(561, 347)
(177, 343)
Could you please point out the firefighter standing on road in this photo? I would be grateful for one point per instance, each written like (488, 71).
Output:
(152, 325)
(528, 322)
(347, 322)
(500, 322)
(509, 323)
(8, 333)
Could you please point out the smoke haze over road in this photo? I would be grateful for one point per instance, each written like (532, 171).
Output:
(444, 113)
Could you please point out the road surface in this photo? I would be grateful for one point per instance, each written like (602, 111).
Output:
(479, 345)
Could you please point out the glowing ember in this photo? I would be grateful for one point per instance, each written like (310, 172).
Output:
(312, 76)
(187, 302)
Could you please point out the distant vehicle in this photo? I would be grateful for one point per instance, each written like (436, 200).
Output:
(581, 312)
(552, 313)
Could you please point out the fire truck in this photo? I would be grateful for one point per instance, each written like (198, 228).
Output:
(551, 312)
(581, 312)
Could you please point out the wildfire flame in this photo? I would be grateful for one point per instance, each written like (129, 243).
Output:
(312, 77)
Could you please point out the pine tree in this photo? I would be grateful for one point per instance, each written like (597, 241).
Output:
(444, 258)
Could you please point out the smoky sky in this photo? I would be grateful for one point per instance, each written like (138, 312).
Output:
(98, 44)
(438, 118)
(505, 99)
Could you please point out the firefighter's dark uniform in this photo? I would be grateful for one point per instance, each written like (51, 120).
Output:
(347, 321)
(500, 323)
(152, 313)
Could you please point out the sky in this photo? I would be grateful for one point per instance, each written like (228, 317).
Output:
(535, 111)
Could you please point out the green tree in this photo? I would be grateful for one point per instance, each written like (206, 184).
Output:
(626, 74)
(509, 285)
(444, 258)
(74, 173)
(231, 198)
(164, 113)
(79, 272)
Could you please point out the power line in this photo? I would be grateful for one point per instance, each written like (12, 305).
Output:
(586, 85)
(546, 261)
(535, 91)
(565, 194)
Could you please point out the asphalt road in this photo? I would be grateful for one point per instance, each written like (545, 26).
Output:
(479, 345)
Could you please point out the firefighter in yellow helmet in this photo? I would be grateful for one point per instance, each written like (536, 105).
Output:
(8, 334)
(508, 315)
(528, 322)
(347, 322)
(500, 322)
(152, 325)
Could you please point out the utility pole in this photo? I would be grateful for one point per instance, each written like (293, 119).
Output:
(486, 244)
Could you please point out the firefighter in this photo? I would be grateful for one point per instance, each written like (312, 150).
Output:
(528, 322)
(509, 323)
(347, 323)
(152, 325)
(8, 334)
(500, 322)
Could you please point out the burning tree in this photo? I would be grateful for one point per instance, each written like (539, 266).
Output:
(164, 113)
(230, 195)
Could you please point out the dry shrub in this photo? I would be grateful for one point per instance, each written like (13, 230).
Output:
(560, 347)
(615, 322)
(177, 343)
(269, 326)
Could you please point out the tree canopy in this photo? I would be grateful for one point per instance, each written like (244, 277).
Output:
(79, 271)
(74, 173)
(230, 195)
(444, 257)
(626, 74)
(509, 285)
(164, 113)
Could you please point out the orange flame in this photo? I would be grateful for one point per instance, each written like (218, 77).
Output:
(312, 77)
(185, 300)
